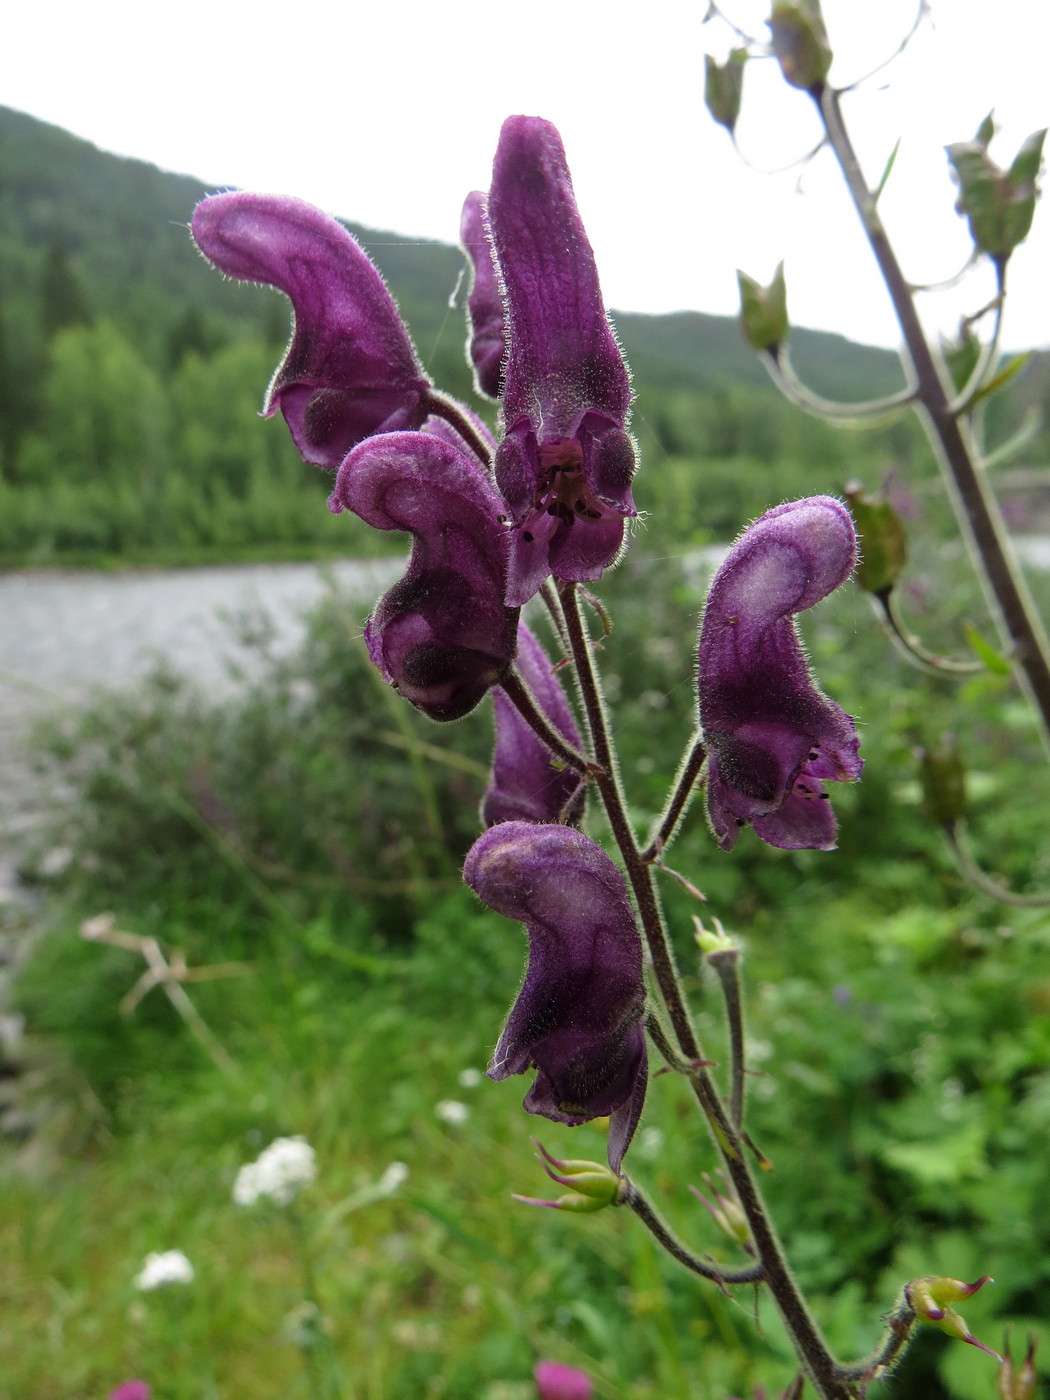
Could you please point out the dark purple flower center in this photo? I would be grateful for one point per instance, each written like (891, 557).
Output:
(563, 492)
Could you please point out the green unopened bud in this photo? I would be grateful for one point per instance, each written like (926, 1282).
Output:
(592, 1185)
(714, 940)
(883, 541)
(1018, 1383)
(763, 310)
(999, 204)
(942, 774)
(961, 355)
(724, 87)
(725, 1210)
(800, 42)
(931, 1298)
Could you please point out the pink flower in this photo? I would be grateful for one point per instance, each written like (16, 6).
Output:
(131, 1390)
(556, 1381)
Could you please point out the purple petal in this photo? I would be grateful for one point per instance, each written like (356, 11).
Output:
(350, 370)
(487, 345)
(771, 734)
(524, 784)
(442, 635)
(566, 462)
(578, 1017)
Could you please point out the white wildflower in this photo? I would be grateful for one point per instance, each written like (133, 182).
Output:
(278, 1174)
(158, 1270)
(394, 1177)
(650, 1143)
(470, 1078)
(453, 1112)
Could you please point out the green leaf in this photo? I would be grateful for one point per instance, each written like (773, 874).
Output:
(887, 171)
(993, 660)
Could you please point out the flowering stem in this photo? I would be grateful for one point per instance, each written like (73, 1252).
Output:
(643, 1208)
(810, 1346)
(444, 406)
(521, 697)
(975, 506)
(955, 835)
(900, 1324)
(678, 800)
(323, 1384)
(726, 963)
(913, 650)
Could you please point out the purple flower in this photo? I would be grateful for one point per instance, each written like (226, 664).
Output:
(487, 345)
(350, 370)
(772, 736)
(566, 461)
(443, 635)
(524, 784)
(578, 1016)
(131, 1390)
(556, 1381)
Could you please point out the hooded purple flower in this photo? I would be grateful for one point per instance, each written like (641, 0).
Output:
(350, 370)
(443, 635)
(524, 784)
(487, 345)
(578, 1016)
(773, 737)
(566, 461)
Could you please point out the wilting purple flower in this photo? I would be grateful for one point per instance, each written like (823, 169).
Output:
(350, 370)
(487, 345)
(556, 1381)
(772, 736)
(524, 784)
(443, 635)
(566, 461)
(578, 1016)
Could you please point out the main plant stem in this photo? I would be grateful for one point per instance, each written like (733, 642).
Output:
(976, 508)
(800, 1325)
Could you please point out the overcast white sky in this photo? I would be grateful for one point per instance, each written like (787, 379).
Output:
(388, 114)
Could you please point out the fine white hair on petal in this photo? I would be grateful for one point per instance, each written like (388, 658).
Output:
(278, 1174)
(451, 1111)
(158, 1270)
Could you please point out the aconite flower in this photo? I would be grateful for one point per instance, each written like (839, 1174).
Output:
(773, 738)
(442, 635)
(350, 370)
(578, 1016)
(565, 461)
(487, 344)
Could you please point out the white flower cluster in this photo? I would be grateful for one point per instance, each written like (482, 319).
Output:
(453, 1112)
(278, 1174)
(393, 1178)
(158, 1270)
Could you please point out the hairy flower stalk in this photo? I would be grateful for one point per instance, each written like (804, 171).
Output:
(565, 462)
(578, 1017)
(442, 635)
(772, 737)
(350, 370)
(525, 784)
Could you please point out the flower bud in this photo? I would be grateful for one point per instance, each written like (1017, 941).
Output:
(711, 941)
(1018, 1383)
(943, 779)
(724, 86)
(763, 311)
(725, 1210)
(800, 42)
(592, 1186)
(882, 539)
(998, 204)
(930, 1298)
(961, 355)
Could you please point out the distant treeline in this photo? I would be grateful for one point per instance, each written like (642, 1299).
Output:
(131, 377)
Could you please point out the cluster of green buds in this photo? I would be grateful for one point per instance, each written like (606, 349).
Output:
(883, 541)
(724, 87)
(725, 1210)
(763, 311)
(943, 778)
(591, 1185)
(998, 204)
(931, 1298)
(1018, 1382)
(800, 43)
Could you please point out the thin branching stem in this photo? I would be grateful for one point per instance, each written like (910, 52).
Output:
(959, 846)
(977, 511)
(519, 694)
(444, 406)
(900, 1323)
(820, 1365)
(726, 964)
(870, 414)
(678, 800)
(913, 651)
(636, 1200)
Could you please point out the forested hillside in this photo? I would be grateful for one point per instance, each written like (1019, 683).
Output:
(131, 375)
